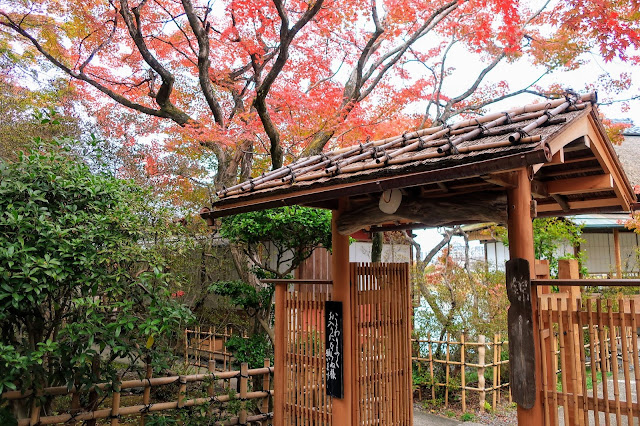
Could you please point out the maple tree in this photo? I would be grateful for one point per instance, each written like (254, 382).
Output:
(236, 84)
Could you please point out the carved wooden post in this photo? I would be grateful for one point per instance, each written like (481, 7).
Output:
(520, 213)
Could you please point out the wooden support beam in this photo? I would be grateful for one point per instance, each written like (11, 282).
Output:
(562, 202)
(442, 186)
(580, 185)
(614, 203)
(539, 189)
(474, 208)
(506, 179)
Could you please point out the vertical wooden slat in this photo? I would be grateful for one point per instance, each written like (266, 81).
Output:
(593, 363)
(545, 366)
(281, 332)
(572, 367)
(634, 347)
(446, 377)
(563, 358)
(625, 360)
(603, 362)
(583, 368)
(614, 361)
(553, 342)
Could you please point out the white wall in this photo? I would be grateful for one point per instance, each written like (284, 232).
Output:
(598, 248)
(360, 251)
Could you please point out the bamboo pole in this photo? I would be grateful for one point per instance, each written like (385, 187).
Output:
(266, 386)
(244, 378)
(433, 381)
(563, 362)
(462, 378)
(115, 405)
(494, 366)
(481, 381)
(446, 380)
(182, 391)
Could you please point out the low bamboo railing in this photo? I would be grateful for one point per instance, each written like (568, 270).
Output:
(423, 354)
(117, 410)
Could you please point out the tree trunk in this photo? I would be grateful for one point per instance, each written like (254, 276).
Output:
(376, 247)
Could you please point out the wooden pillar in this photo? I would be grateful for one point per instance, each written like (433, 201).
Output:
(343, 408)
(279, 382)
(521, 246)
(616, 249)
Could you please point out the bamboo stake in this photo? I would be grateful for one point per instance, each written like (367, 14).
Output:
(35, 412)
(182, 391)
(495, 372)
(499, 357)
(481, 381)
(186, 346)
(115, 405)
(462, 379)
(244, 377)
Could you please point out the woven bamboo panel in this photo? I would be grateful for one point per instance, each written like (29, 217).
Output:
(306, 402)
(382, 319)
(591, 371)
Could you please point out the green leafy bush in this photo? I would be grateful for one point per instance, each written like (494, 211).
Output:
(82, 281)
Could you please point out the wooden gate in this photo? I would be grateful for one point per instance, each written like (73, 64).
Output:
(591, 371)
(305, 399)
(382, 320)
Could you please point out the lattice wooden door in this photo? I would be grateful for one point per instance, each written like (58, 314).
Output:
(306, 402)
(382, 320)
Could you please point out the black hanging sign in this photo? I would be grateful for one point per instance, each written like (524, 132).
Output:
(333, 345)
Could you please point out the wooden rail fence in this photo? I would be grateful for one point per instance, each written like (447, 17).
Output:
(117, 410)
(458, 357)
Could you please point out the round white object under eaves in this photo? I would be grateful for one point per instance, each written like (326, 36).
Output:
(390, 201)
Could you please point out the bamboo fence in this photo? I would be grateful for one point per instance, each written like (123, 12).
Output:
(204, 344)
(117, 410)
(454, 361)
